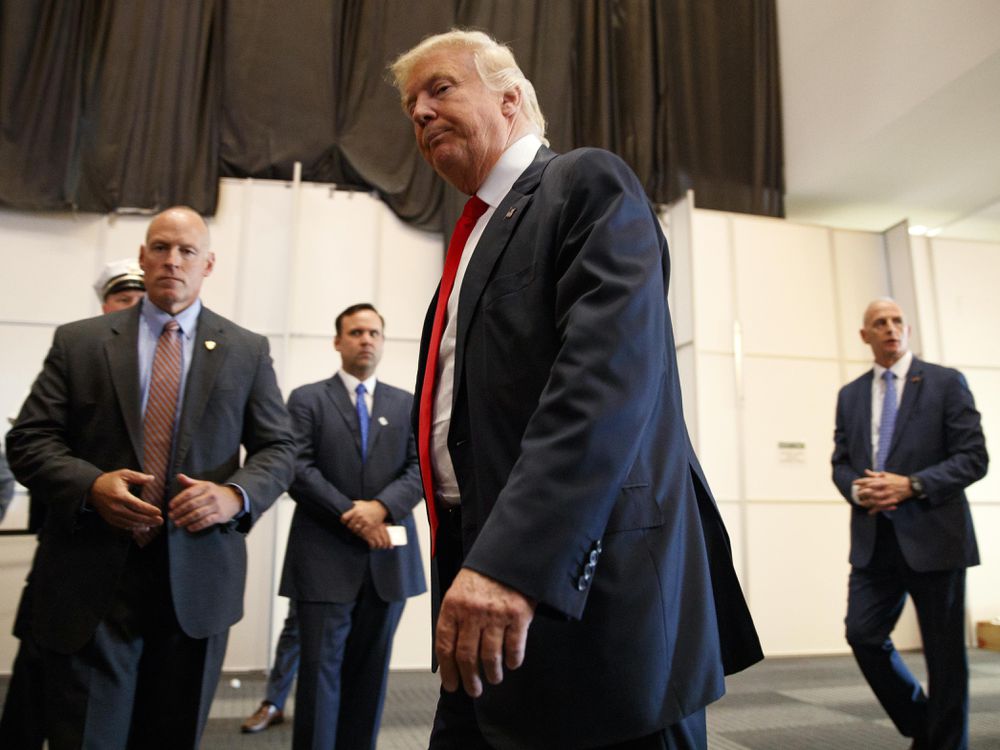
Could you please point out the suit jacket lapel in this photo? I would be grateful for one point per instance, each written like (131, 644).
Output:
(122, 351)
(911, 391)
(336, 391)
(380, 406)
(206, 361)
(490, 247)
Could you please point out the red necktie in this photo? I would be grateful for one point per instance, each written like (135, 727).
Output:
(158, 422)
(474, 208)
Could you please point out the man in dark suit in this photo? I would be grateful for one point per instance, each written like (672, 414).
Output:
(133, 596)
(908, 442)
(356, 482)
(583, 583)
(119, 286)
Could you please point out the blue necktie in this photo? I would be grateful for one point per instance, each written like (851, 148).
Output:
(888, 422)
(362, 420)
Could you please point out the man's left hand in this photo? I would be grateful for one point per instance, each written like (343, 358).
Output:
(202, 504)
(365, 517)
(482, 623)
(882, 490)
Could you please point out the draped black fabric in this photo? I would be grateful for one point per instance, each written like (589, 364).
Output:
(111, 104)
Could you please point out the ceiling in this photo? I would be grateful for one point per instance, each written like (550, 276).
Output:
(892, 112)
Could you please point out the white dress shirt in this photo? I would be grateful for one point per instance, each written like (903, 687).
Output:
(501, 179)
(352, 384)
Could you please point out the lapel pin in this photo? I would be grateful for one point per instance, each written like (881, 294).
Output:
(915, 379)
(210, 345)
(511, 212)
(383, 421)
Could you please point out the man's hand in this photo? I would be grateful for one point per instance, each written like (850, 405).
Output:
(202, 504)
(880, 491)
(110, 497)
(367, 520)
(482, 622)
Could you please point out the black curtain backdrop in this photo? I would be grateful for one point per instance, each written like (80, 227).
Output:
(116, 105)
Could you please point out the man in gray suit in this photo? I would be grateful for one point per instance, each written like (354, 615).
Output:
(131, 435)
(356, 482)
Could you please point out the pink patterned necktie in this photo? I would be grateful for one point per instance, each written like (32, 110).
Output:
(158, 422)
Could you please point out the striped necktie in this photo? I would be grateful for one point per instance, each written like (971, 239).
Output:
(888, 421)
(158, 421)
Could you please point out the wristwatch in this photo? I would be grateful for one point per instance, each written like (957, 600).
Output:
(917, 484)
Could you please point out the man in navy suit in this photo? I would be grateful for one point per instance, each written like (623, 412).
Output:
(356, 482)
(908, 442)
(583, 584)
(139, 575)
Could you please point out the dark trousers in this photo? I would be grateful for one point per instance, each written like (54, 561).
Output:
(22, 724)
(455, 724)
(140, 683)
(286, 661)
(456, 728)
(938, 719)
(343, 670)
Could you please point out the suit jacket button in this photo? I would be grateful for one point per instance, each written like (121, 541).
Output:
(594, 554)
(598, 547)
(581, 583)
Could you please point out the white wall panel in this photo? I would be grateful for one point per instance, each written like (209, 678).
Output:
(49, 263)
(966, 274)
(798, 576)
(985, 386)
(982, 591)
(677, 223)
(718, 423)
(861, 276)
(785, 299)
(924, 319)
(789, 401)
(712, 273)
(337, 257)
(410, 263)
(24, 349)
(121, 237)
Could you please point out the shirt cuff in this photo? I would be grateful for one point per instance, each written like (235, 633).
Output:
(246, 501)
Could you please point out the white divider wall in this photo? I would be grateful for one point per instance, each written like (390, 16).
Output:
(288, 259)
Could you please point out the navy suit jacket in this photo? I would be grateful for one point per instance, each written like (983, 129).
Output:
(83, 418)
(324, 561)
(938, 438)
(579, 484)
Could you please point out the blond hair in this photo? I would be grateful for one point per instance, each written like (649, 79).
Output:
(494, 62)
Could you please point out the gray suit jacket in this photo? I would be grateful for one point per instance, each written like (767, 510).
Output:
(83, 418)
(324, 561)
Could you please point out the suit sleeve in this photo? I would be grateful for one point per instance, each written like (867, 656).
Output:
(584, 435)
(405, 491)
(844, 472)
(310, 489)
(38, 446)
(964, 443)
(267, 437)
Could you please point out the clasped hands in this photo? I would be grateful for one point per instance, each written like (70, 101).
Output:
(879, 491)
(366, 519)
(197, 506)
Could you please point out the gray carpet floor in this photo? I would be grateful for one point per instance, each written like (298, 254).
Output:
(782, 704)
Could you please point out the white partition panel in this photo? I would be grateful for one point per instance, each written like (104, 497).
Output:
(966, 275)
(789, 413)
(712, 266)
(985, 386)
(784, 288)
(409, 271)
(677, 222)
(983, 591)
(798, 575)
(861, 276)
(718, 423)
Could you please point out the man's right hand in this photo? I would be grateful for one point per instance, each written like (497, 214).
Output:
(110, 497)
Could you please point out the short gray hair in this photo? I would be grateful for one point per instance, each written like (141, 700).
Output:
(494, 62)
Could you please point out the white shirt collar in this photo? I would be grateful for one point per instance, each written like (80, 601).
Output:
(351, 382)
(508, 168)
(899, 368)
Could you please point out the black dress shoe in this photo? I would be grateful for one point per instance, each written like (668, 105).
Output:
(262, 718)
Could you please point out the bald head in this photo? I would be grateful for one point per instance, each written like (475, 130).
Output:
(886, 331)
(176, 258)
